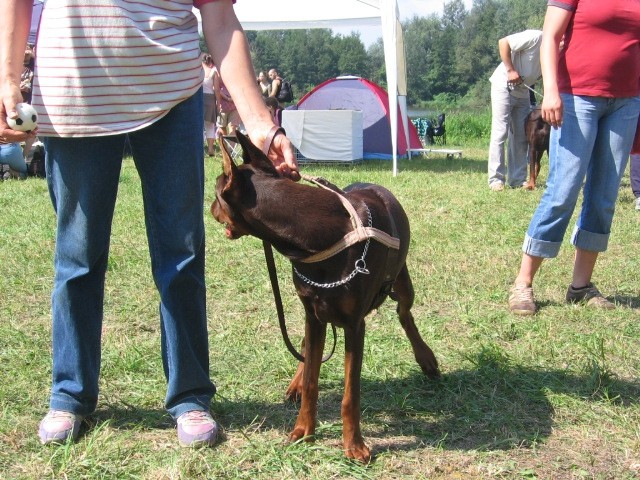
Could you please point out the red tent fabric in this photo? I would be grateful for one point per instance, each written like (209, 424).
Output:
(356, 93)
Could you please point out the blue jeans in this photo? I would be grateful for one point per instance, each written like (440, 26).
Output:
(11, 154)
(592, 146)
(83, 175)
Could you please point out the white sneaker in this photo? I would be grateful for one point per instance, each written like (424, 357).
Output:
(59, 426)
(496, 186)
(638, 203)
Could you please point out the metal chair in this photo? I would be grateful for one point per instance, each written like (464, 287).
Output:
(436, 132)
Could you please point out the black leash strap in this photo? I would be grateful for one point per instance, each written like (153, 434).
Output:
(271, 265)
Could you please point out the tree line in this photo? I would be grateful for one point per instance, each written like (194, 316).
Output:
(449, 56)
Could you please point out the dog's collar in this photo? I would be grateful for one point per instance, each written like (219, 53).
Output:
(358, 234)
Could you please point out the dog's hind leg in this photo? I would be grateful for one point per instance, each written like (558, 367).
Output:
(353, 443)
(403, 293)
(305, 426)
(538, 161)
(533, 171)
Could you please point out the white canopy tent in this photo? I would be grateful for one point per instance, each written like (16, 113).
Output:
(296, 14)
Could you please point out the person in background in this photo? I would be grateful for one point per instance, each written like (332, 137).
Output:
(210, 110)
(26, 80)
(274, 108)
(634, 169)
(11, 154)
(510, 105)
(593, 110)
(228, 117)
(26, 77)
(263, 83)
(276, 83)
(154, 66)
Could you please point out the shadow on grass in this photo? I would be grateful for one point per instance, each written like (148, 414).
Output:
(493, 406)
(485, 408)
(626, 300)
(131, 417)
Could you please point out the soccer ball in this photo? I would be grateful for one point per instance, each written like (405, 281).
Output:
(27, 118)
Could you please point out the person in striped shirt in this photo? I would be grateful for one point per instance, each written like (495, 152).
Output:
(108, 71)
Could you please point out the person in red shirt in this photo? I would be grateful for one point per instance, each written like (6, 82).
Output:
(591, 90)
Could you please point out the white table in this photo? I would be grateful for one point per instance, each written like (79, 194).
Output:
(325, 135)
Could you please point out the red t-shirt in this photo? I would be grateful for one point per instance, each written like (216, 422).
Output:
(601, 55)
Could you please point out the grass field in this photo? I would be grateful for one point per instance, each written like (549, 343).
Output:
(555, 396)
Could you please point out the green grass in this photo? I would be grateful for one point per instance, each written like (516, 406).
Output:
(552, 396)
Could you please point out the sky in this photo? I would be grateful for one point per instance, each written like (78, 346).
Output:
(408, 9)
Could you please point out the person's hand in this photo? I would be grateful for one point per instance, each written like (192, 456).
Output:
(552, 109)
(25, 85)
(10, 98)
(513, 79)
(282, 157)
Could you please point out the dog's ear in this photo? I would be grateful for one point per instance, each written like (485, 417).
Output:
(228, 167)
(254, 156)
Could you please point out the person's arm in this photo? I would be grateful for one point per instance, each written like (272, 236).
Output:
(228, 46)
(513, 76)
(555, 26)
(15, 22)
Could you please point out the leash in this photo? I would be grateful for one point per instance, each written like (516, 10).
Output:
(273, 276)
(534, 91)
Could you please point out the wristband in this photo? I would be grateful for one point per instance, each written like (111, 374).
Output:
(275, 130)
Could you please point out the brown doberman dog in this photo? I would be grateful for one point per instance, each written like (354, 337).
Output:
(537, 132)
(348, 250)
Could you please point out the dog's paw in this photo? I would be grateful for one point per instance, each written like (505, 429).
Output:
(299, 433)
(293, 394)
(294, 391)
(358, 451)
(428, 363)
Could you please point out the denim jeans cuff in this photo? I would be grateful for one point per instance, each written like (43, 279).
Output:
(69, 404)
(540, 248)
(593, 242)
(200, 402)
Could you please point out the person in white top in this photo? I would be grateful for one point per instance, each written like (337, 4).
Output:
(263, 83)
(108, 72)
(210, 107)
(510, 105)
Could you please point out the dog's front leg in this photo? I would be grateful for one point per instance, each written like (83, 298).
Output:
(314, 337)
(353, 443)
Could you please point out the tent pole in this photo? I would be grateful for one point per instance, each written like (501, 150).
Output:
(389, 15)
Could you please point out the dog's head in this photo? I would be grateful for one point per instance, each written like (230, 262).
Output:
(236, 186)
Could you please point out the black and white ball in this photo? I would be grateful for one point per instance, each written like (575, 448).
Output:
(27, 118)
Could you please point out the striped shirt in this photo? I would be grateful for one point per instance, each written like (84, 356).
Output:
(105, 67)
